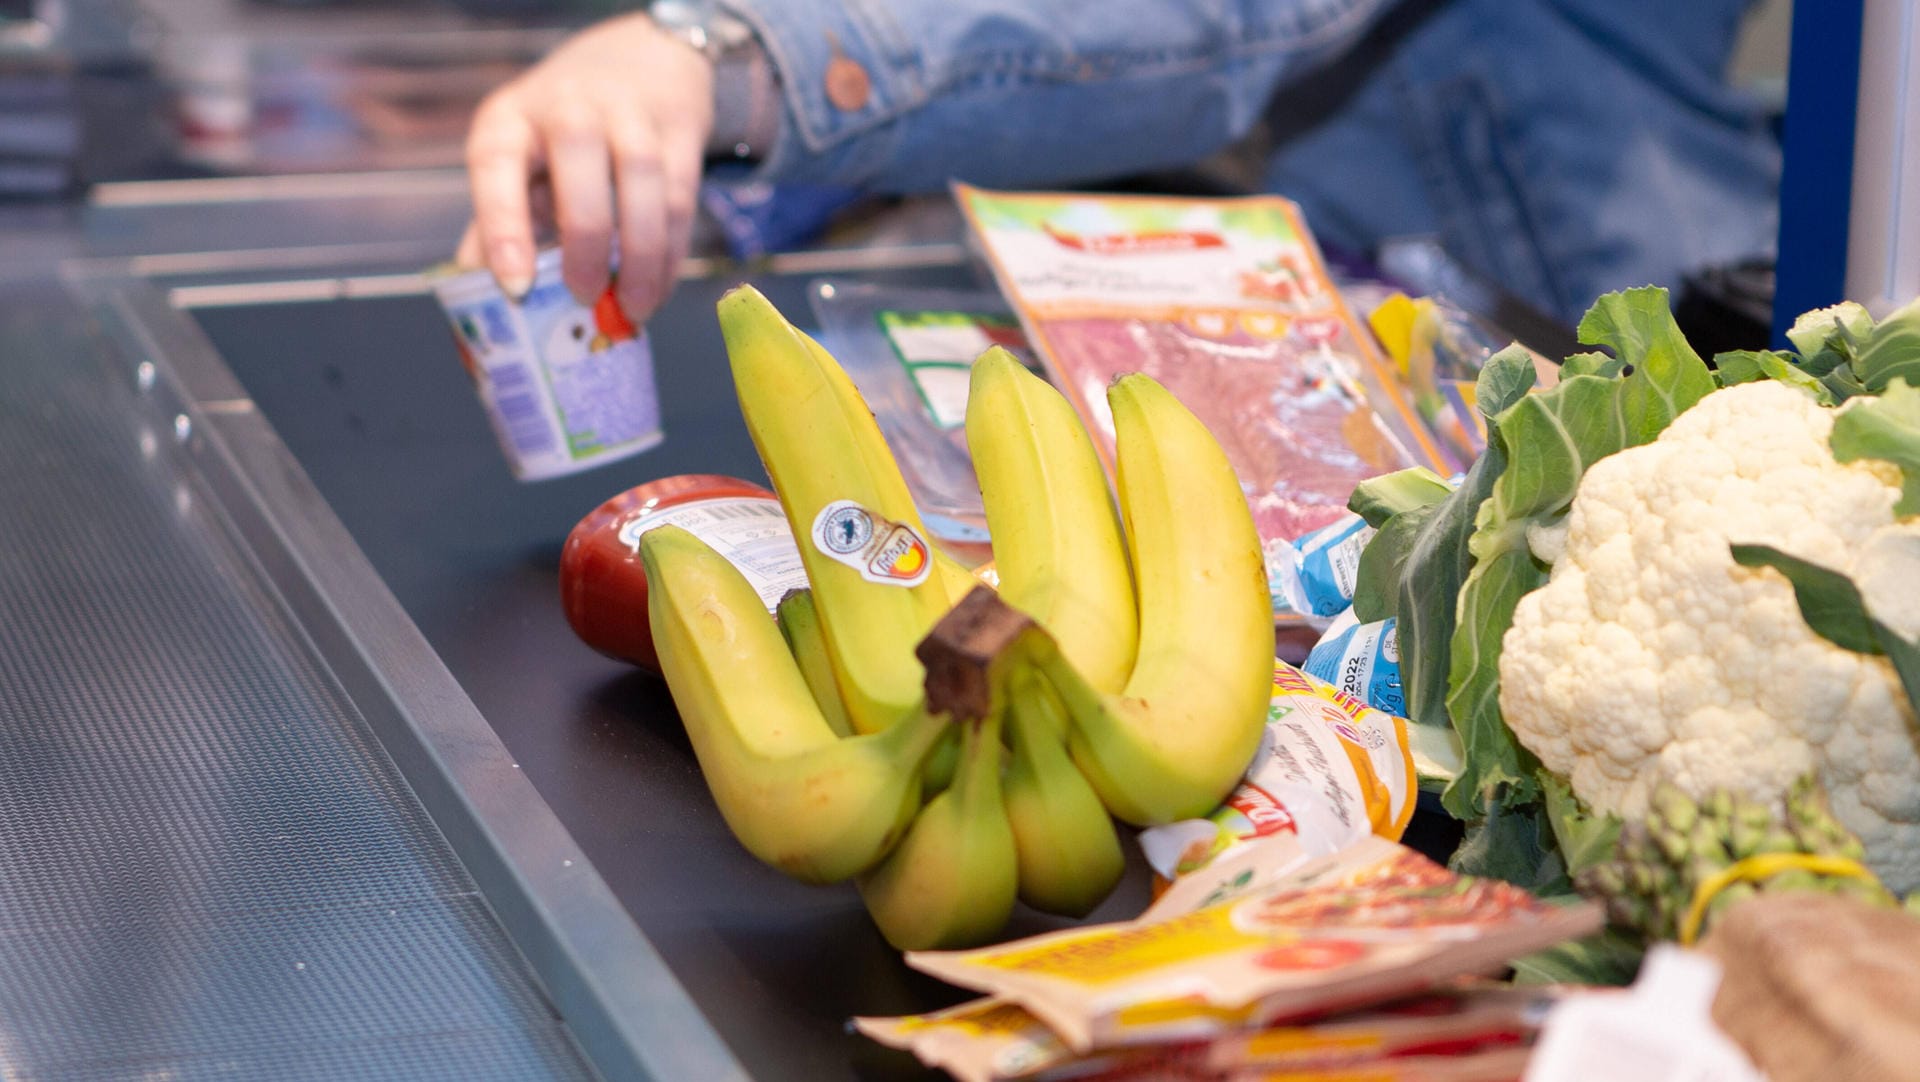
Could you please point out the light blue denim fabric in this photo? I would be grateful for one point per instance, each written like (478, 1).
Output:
(1564, 147)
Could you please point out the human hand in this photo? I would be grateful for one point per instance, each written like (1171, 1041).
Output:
(606, 135)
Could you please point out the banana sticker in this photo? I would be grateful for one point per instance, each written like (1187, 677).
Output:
(883, 551)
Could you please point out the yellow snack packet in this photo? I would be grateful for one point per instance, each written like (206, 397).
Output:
(1330, 770)
(1373, 923)
(990, 1039)
(977, 1041)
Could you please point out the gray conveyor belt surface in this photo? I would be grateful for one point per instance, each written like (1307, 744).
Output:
(209, 868)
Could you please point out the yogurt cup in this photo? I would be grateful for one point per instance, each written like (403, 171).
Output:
(566, 387)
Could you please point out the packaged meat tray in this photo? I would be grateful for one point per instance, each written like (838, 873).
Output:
(1228, 303)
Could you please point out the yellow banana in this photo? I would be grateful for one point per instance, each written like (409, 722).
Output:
(951, 881)
(959, 581)
(1056, 541)
(1178, 736)
(800, 625)
(832, 470)
(797, 795)
(1069, 853)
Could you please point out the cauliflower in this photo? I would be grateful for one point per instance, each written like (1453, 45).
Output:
(1650, 656)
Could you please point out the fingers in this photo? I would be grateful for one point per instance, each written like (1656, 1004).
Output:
(640, 182)
(683, 155)
(502, 154)
(467, 255)
(579, 171)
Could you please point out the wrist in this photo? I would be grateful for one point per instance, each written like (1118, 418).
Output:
(746, 95)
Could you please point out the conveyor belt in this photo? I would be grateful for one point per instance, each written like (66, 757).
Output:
(370, 398)
(208, 866)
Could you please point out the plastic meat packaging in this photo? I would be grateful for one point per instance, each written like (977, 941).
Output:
(911, 353)
(1228, 303)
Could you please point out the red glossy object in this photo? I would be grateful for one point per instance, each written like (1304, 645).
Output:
(603, 587)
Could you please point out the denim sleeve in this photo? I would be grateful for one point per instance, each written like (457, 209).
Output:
(1028, 92)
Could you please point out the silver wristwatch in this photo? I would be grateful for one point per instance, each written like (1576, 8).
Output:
(742, 98)
(703, 26)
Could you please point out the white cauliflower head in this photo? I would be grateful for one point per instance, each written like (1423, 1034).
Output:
(1650, 656)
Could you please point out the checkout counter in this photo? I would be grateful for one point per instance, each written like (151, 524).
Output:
(302, 773)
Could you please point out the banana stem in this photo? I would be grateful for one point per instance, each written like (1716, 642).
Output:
(1082, 701)
(978, 780)
(911, 740)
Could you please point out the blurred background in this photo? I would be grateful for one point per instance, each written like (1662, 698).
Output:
(103, 90)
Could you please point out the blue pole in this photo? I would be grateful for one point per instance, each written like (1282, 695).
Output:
(1816, 182)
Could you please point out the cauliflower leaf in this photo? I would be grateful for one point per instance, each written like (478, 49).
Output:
(1548, 441)
(1886, 428)
(1892, 351)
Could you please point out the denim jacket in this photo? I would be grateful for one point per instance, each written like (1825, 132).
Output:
(1564, 147)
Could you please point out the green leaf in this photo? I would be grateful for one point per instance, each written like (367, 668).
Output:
(1829, 337)
(1885, 428)
(1905, 655)
(1892, 351)
(1611, 957)
(1841, 384)
(1376, 589)
(1748, 366)
(1380, 498)
(1550, 439)
(1514, 843)
(1492, 759)
(1429, 590)
(1831, 604)
(1504, 379)
(1829, 601)
(1591, 364)
(1585, 840)
(1437, 564)
(1637, 324)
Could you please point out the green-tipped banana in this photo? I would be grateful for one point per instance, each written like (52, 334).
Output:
(951, 881)
(797, 795)
(1056, 539)
(800, 624)
(1068, 850)
(1177, 738)
(821, 446)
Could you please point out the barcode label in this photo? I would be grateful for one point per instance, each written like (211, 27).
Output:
(744, 512)
(517, 401)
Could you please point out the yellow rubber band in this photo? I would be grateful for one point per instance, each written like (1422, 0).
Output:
(1754, 869)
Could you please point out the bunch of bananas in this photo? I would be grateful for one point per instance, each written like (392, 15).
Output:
(1141, 695)
(1689, 860)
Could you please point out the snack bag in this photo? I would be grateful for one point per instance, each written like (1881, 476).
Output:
(977, 1041)
(1330, 770)
(1227, 302)
(992, 1038)
(1370, 924)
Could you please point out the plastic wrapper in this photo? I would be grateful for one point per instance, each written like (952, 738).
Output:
(1329, 771)
(1459, 1028)
(1314, 577)
(1362, 660)
(1225, 301)
(1368, 925)
(911, 353)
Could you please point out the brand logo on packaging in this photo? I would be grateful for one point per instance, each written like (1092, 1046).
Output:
(882, 550)
(1134, 243)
